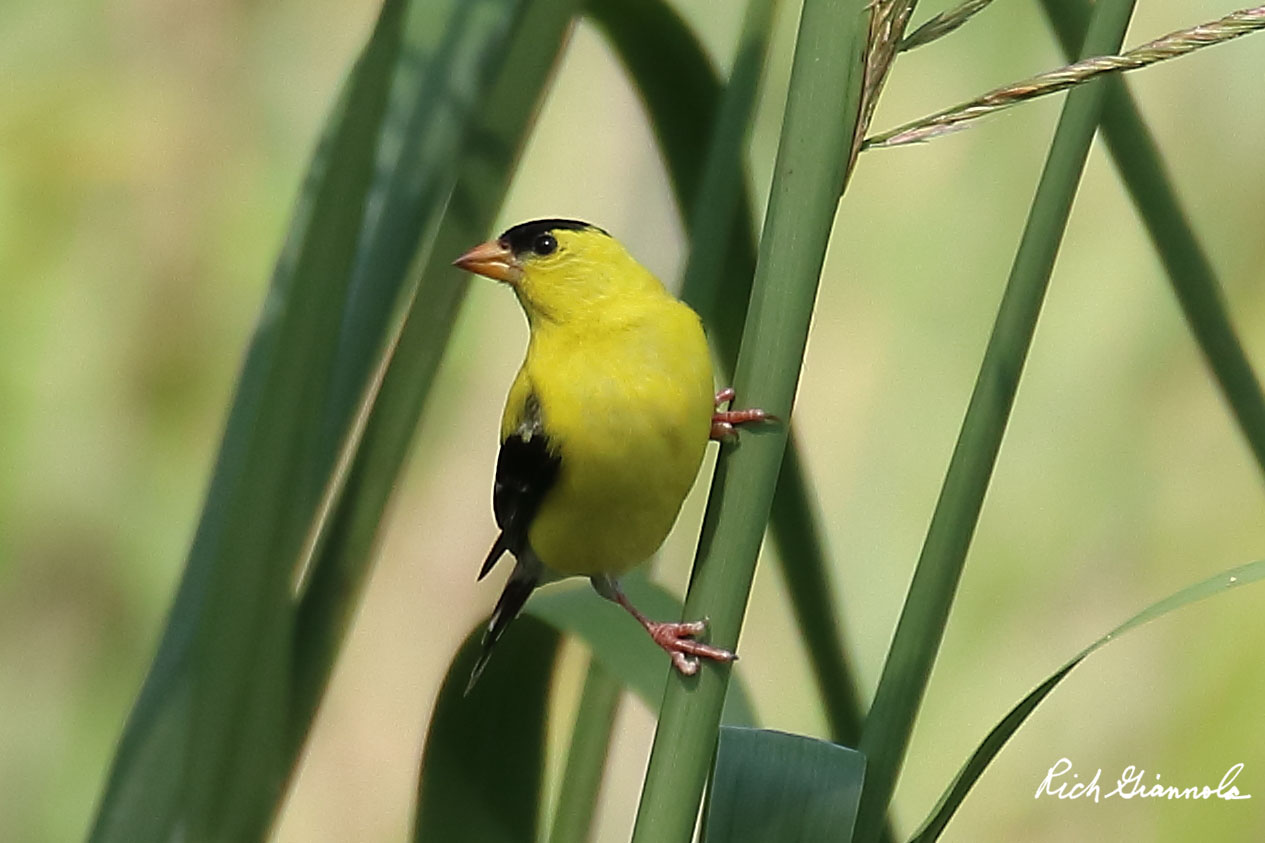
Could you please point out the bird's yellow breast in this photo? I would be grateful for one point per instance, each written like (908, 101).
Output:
(626, 401)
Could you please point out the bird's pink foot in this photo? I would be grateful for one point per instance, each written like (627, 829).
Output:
(725, 422)
(678, 640)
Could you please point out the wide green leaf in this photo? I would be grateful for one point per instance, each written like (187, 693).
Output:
(483, 763)
(518, 677)
(774, 787)
(341, 561)
(438, 65)
(208, 744)
(996, 739)
(452, 53)
(146, 797)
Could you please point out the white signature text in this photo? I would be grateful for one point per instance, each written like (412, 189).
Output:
(1059, 784)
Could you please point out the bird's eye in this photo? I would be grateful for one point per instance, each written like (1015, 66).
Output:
(545, 244)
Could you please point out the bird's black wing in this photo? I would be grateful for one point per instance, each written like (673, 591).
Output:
(526, 470)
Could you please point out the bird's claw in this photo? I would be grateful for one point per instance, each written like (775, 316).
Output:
(678, 640)
(725, 422)
(733, 417)
(723, 431)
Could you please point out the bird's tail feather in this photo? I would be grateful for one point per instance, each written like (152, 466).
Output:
(499, 547)
(519, 587)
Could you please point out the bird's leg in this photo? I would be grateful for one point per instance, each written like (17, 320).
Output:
(724, 421)
(676, 638)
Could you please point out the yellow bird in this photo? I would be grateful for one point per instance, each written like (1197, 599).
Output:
(605, 425)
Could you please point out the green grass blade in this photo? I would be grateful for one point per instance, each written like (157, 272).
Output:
(921, 627)
(1190, 272)
(996, 739)
(779, 788)
(817, 131)
(586, 760)
(483, 174)
(620, 645)
(483, 763)
(718, 281)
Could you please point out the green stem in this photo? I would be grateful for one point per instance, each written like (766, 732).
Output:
(718, 205)
(1190, 272)
(821, 113)
(590, 742)
(717, 281)
(794, 517)
(721, 301)
(921, 627)
(717, 278)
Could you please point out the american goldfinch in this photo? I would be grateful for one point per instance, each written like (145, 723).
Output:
(605, 425)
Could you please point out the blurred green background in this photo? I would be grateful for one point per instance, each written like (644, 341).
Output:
(150, 153)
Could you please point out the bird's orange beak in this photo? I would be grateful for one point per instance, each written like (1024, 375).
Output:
(492, 259)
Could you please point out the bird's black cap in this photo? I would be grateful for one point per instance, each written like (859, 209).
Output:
(521, 237)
